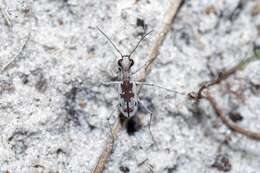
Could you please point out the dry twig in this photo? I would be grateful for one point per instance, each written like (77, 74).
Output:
(99, 167)
(5, 14)
(222, 76)
(233, 126)
(153, 52)
(166, 25)
(5, 67)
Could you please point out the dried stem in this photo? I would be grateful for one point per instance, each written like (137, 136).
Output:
(233, 126)
(153, 52)
(166, 25)
(99, 167)
(5, 14)
(222, 76)
(5, 67)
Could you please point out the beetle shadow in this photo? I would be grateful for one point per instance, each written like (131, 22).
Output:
(132, 124)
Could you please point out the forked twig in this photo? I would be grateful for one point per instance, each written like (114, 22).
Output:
(153, 52)
(222, 76)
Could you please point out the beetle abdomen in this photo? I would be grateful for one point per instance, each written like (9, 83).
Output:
(128, 98)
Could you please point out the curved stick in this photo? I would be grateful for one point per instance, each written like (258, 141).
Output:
(230, 124)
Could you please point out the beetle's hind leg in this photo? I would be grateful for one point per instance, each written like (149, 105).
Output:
(150, 120)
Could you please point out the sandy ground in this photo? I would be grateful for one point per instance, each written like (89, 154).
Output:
(53, 110)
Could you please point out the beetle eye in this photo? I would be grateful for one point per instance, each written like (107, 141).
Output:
(132, 62)
(119, 62)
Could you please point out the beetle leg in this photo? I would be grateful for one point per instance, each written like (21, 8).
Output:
(158, 86)
(150, 121)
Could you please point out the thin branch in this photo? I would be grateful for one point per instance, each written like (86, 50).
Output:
(230, 124)
(168, 19)
(222, 76)
(160, 37)
(5, 67)
(100, 165)
(5, 14)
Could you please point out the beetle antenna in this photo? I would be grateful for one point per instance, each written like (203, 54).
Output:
(140, 42)
(110, 41)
